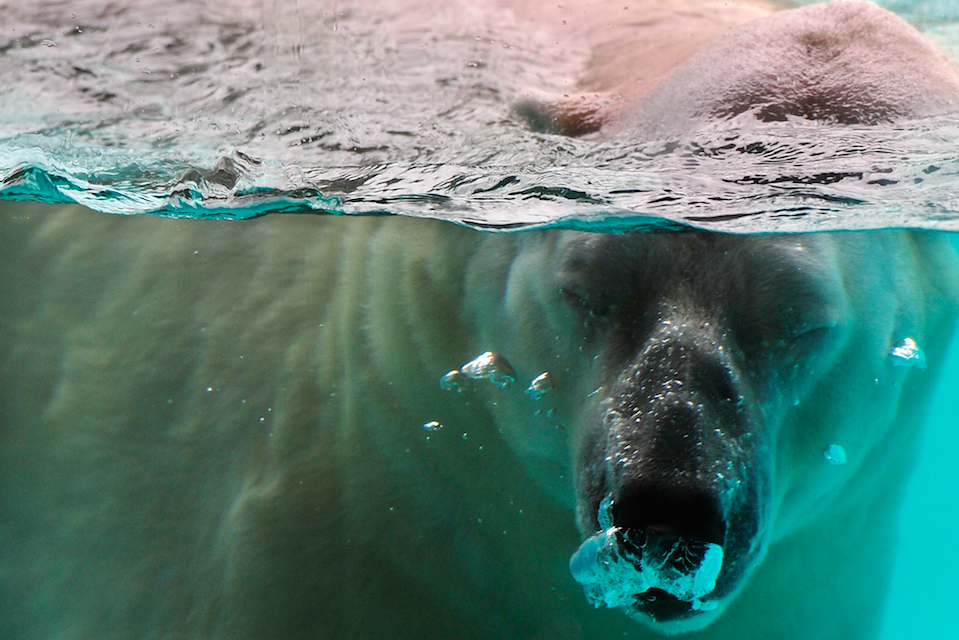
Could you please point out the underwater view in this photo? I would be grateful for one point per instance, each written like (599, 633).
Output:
(449, 319)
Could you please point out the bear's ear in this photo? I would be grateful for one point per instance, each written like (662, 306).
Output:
(567, 115)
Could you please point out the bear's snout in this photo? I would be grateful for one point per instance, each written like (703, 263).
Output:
(674, 423)
(683, 495)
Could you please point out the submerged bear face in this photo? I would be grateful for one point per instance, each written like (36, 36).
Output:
(706, 362)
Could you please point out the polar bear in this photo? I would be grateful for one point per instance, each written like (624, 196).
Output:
(237, 430)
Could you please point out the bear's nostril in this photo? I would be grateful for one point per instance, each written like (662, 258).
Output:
(691, 513)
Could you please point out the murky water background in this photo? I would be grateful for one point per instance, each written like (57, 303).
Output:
(244, 107)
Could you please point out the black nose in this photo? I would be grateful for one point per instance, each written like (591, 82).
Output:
(691, 512)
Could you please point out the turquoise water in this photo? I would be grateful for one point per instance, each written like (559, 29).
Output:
(923, 592)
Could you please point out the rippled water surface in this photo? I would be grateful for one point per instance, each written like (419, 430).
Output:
(242, 107)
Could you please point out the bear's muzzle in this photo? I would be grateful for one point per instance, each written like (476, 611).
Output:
(685, 492)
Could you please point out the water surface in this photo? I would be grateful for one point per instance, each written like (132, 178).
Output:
(239, 108)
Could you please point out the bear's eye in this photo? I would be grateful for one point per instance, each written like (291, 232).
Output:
(579, 302)
(810, 317)
(819, 337)
(799, 329)
(813, 330)
(587, 304)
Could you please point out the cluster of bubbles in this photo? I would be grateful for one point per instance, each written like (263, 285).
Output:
(495, 368)
(615, 569)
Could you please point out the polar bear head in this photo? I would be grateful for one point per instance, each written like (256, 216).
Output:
(702, 379)
(674, 458)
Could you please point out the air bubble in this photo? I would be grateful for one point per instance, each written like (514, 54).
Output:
(490, 366)
(454, 381)
(908, 354)
(540, 386)
(834, 454)
(432, 425)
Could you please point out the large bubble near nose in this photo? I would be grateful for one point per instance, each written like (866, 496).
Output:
(616, 566)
